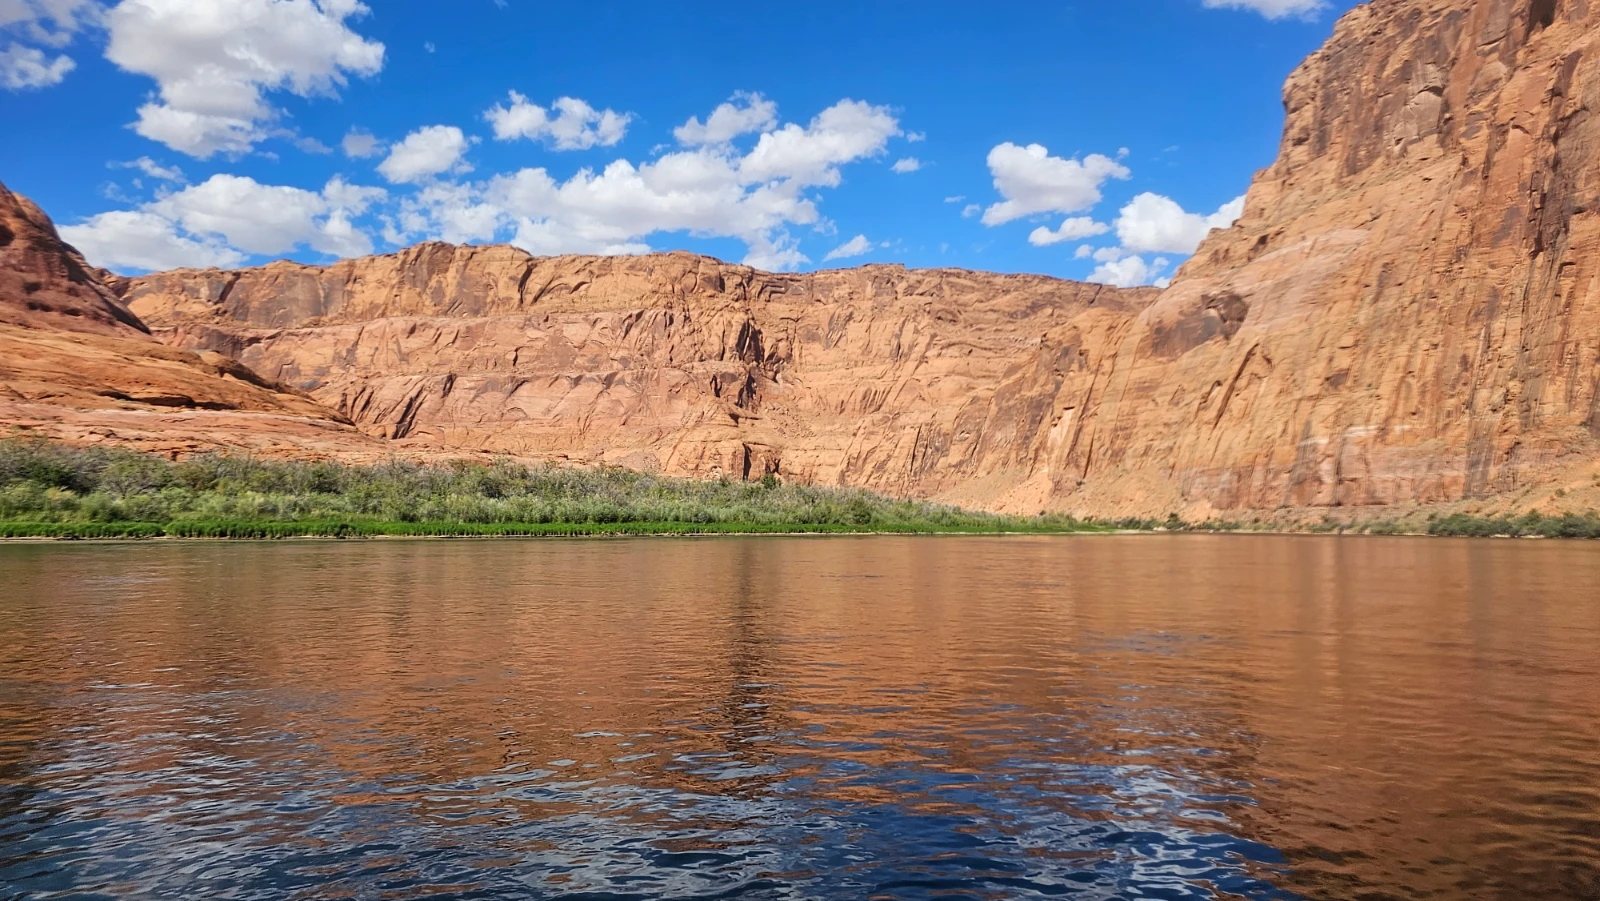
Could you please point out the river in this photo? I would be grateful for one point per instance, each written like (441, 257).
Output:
(1173, 717)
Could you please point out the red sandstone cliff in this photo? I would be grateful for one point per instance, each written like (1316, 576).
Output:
(1414, 289)
(939, 383)
(1408, 313)
(76, 364)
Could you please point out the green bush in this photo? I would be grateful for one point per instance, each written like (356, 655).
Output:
(45, 484)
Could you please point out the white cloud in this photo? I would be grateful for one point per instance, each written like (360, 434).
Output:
(708, 189)
(152, 169)
(1151, 223)
(1032, 181)
(1073, 229)
(23, 68)
(956, 199)
(1273, 9)
(855, 247)
(745, 114)
(775, 254)
(1083, 252)
(575, 126)
(845, 132)
(917, 137)
(361, 145)
(213, 61)
(970, 210)
(906, 166)
(1128, 271)
(53, 23)
(223, 220)
(425, 153)
(133, 240)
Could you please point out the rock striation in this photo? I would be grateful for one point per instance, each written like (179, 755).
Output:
(1409, 309)
(76, 364)
(1408, 313)
(938, 383)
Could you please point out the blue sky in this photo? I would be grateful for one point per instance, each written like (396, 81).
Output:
(1084, 140)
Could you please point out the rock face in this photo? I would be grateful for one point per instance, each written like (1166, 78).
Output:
(1408, 313)
(1409, 310)
(76, 364)
(938, 383)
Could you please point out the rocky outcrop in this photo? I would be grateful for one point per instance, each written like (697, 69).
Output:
(937, 383)
(76, 364)
(1409, 310)
(1408, 313)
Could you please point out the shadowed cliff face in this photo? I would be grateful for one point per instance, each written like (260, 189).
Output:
(940, 383)
(1409, 312)
(76, 364)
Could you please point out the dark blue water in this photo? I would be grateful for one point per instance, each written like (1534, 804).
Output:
(1155, 717)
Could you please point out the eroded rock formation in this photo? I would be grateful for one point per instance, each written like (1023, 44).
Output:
(1407, 313)
(938, 383)
(76, 364)
(1415, 282)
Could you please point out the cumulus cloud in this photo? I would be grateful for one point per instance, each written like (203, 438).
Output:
(31, 26)
(710, 188)
(214, 62)
(845, 132)
(24, 68)
(855, 247)
(130, 240)
(1032, 181)
(1128, 271)
(53, 23)
(360, 145)
(745, 114)
(1151, 223)
(574, 125)
(1074, 229)
(425, 153)
(906, 166)
(223, 220)
(1273, 9)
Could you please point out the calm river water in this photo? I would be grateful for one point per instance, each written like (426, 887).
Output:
(1084, 717)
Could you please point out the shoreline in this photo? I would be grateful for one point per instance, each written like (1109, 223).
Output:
(68, 533)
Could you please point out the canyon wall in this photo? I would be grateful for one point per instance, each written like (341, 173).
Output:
(937, 383)
(1407, 313)
(76, 364)
(1414, 281)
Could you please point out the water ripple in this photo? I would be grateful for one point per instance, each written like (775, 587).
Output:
(1192, 717)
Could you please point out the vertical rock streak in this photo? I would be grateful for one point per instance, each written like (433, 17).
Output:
(1407, 312)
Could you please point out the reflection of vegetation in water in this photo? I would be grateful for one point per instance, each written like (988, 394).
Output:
(52, 490)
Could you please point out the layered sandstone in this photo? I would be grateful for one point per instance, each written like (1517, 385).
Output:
(938, 383)
(76, 364)
(1409, 310)
(1408, 313)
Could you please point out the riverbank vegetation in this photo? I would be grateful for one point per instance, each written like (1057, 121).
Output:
(50, 490)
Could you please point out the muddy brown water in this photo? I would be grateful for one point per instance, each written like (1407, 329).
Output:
(875, 717)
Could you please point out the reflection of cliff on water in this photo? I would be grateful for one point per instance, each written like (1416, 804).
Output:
(1382, 712)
